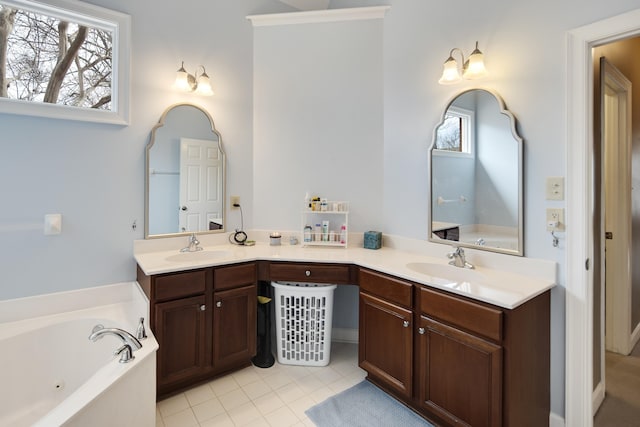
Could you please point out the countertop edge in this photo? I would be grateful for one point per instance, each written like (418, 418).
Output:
(386, 260)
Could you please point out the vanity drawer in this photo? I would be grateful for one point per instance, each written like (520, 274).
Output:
(388, 288)
(475, 318)
(234, 276)
(314, 273)
(178, 285)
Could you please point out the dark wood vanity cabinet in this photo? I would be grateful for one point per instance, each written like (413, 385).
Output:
(204, 321)
(386, 344)
(457, 361)
(334, 273)
(235, 302)
(385, 328)
(180, 327)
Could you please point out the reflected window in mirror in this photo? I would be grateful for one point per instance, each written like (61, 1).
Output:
(185, 179)
(476, 175)
(456, 134)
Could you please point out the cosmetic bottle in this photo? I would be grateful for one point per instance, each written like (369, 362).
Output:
(325, 231)
(343, 234)
(307, 233)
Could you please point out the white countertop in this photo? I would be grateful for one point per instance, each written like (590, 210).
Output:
(502, 280)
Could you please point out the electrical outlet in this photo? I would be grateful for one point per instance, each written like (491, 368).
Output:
(555, 215)
(235, 200)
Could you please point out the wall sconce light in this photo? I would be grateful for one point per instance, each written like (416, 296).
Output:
(199, 84)
(472, 68)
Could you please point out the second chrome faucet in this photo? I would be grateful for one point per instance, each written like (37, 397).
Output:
(458, 258)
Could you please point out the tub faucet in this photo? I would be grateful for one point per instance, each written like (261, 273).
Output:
(193, 244)
(130, 343)
(458, 258)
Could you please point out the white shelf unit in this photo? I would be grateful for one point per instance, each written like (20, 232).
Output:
(337, 213)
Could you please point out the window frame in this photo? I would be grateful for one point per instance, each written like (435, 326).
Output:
(468, 137)
(119, 24)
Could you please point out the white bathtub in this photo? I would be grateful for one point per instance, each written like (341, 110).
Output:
(51, 374)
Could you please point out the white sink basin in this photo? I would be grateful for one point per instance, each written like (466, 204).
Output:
(197, 256)
(446, 272)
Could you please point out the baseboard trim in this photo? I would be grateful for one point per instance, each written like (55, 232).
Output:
(344, 335)
(555, 420)
(598, 397)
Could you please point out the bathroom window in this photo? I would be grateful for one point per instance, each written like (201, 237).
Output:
(455, 135)
(64, 59)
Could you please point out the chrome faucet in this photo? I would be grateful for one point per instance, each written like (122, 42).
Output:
(142, 332)
(193, 244)
(130, 343)
(458, 258)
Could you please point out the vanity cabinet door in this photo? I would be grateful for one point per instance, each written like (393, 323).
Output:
(180, 328)
(234, 326)
(459, 375)
(386, 343)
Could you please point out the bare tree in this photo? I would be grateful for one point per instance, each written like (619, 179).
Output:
(66, 55)
(7, 18)
(50, 60)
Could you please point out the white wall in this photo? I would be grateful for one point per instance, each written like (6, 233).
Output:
(93, 174)
(318, 116)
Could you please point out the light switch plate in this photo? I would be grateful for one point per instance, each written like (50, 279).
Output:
(555, 188)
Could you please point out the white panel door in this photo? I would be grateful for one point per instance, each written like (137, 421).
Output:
(616, 102)
(200, 184)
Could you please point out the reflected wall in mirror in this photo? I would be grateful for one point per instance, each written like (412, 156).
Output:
(185, 174)
(476, 175)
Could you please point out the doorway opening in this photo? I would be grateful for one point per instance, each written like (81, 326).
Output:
(580, 259)
(615, 329)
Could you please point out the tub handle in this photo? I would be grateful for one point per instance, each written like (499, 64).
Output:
(142, 332)
(125, 353)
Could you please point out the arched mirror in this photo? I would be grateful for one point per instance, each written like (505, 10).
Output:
(185, 174)
(476, 175)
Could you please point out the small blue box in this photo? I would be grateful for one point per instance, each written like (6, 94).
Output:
(372, 240)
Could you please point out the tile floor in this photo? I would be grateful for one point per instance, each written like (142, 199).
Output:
(257, 397)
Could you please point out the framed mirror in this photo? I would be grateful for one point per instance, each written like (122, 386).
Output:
(185, 174)
(64, 59)
(476, 183)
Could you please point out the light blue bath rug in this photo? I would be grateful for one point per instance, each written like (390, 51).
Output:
(364, 405)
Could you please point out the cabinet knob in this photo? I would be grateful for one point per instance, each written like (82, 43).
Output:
(405, 324)
(203, 307)
(307, 273)
(421, 331)
(219, 304)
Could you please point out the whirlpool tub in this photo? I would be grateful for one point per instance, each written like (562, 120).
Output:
(51, 374)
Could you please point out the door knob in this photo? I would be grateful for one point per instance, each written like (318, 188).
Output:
(307, 273)
(184, 208)
(219, 304)
(421, 331)
(405, 324)
(203, 307)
